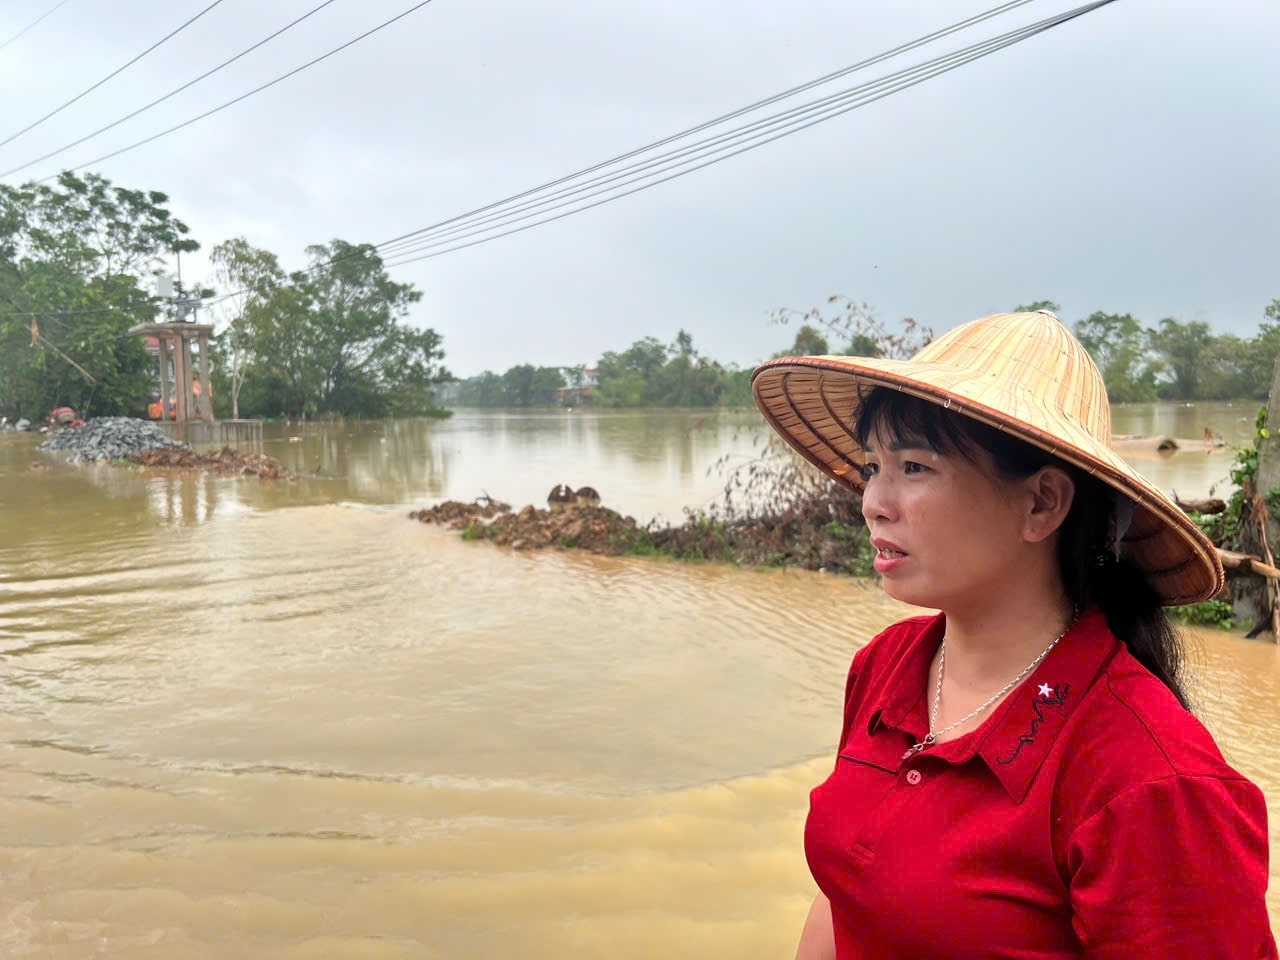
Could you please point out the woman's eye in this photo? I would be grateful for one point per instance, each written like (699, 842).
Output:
(867, 471)
(912, 467)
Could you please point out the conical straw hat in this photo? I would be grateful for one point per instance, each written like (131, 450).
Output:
(1020, 372)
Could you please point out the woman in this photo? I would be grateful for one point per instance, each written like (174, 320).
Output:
(1019, 775)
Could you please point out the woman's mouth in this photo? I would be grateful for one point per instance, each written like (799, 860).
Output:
(889, 556)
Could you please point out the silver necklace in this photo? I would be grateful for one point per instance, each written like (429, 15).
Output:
(932, 736)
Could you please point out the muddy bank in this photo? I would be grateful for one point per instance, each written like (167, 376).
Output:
(225, 462)
(817, 535)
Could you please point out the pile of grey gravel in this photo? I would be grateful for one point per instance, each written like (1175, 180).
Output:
(110, 438)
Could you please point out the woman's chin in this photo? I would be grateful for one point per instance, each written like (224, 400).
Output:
(914, 594)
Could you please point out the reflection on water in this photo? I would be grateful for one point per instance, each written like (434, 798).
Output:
(645, 463)
(278, 720)
(1232, 420)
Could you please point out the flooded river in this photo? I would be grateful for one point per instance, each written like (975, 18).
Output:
(247, 719)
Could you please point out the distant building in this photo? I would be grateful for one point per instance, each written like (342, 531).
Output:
(579, 388)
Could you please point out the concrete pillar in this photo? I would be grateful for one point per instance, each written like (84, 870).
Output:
(189, 368)
(181, 386)
(206, 388)
(164, 377)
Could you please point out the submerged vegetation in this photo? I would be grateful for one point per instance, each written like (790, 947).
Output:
(1238, 528)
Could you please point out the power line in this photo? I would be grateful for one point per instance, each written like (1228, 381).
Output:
(690, 158)
(721, 147)
(34, 23)
(171, 93)
(844, 71)
(723, 118)
(117, 72)
(246, 96)
(470, 225)
(826, 78)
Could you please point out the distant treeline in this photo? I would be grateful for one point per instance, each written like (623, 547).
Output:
(1176, 360)
(649, 373)
(1172, 360)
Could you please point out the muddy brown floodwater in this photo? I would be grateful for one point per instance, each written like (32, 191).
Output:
(255, 719)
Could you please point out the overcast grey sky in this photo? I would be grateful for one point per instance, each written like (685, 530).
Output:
(1127, 161)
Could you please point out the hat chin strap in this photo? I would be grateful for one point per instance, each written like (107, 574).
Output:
(1122, 509)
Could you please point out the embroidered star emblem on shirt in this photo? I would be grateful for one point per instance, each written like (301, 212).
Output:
(1046, 691)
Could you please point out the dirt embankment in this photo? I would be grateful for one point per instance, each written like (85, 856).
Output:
(597, 529)
(225, 462)
(819, 533)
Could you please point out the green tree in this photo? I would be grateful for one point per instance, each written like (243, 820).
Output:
(625, 377)
(1181, 348)
(1225, 369)
(856, 324)
(517, 385)
(1115, 341)
(684, 344)
(333, 340)
(74, 257)
(1035, 305)
(808, 343)
(687, 380)
(253, 276)
(547, 382)
(409, 371)
(485, 390)
(1263, 351)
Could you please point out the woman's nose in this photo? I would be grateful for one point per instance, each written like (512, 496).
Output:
(877, 500)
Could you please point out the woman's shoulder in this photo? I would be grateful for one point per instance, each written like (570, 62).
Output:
(1131, 732)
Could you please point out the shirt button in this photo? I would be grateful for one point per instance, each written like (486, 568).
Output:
(913, 777)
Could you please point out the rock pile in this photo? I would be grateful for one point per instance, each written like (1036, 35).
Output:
(110, 438)
(143, 443)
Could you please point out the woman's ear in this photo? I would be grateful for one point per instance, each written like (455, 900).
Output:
(1051, 492)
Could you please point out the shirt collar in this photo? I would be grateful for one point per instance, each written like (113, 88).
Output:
(1017, 737)
(903, 691)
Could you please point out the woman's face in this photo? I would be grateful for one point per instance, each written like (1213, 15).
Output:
(947, 529)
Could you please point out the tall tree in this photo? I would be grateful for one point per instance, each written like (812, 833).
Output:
(252, 276)
(808, 343)
(1115, 341)
(1181, 347)
(333, 340)
(74, 258)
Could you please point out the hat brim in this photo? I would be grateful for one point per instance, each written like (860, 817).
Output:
(813, 403)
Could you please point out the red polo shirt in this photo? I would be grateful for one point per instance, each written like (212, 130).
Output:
(1089, 816)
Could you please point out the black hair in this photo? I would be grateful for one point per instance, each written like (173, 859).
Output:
(1092, 574)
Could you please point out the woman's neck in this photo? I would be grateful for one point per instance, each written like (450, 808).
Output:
(987, 646)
